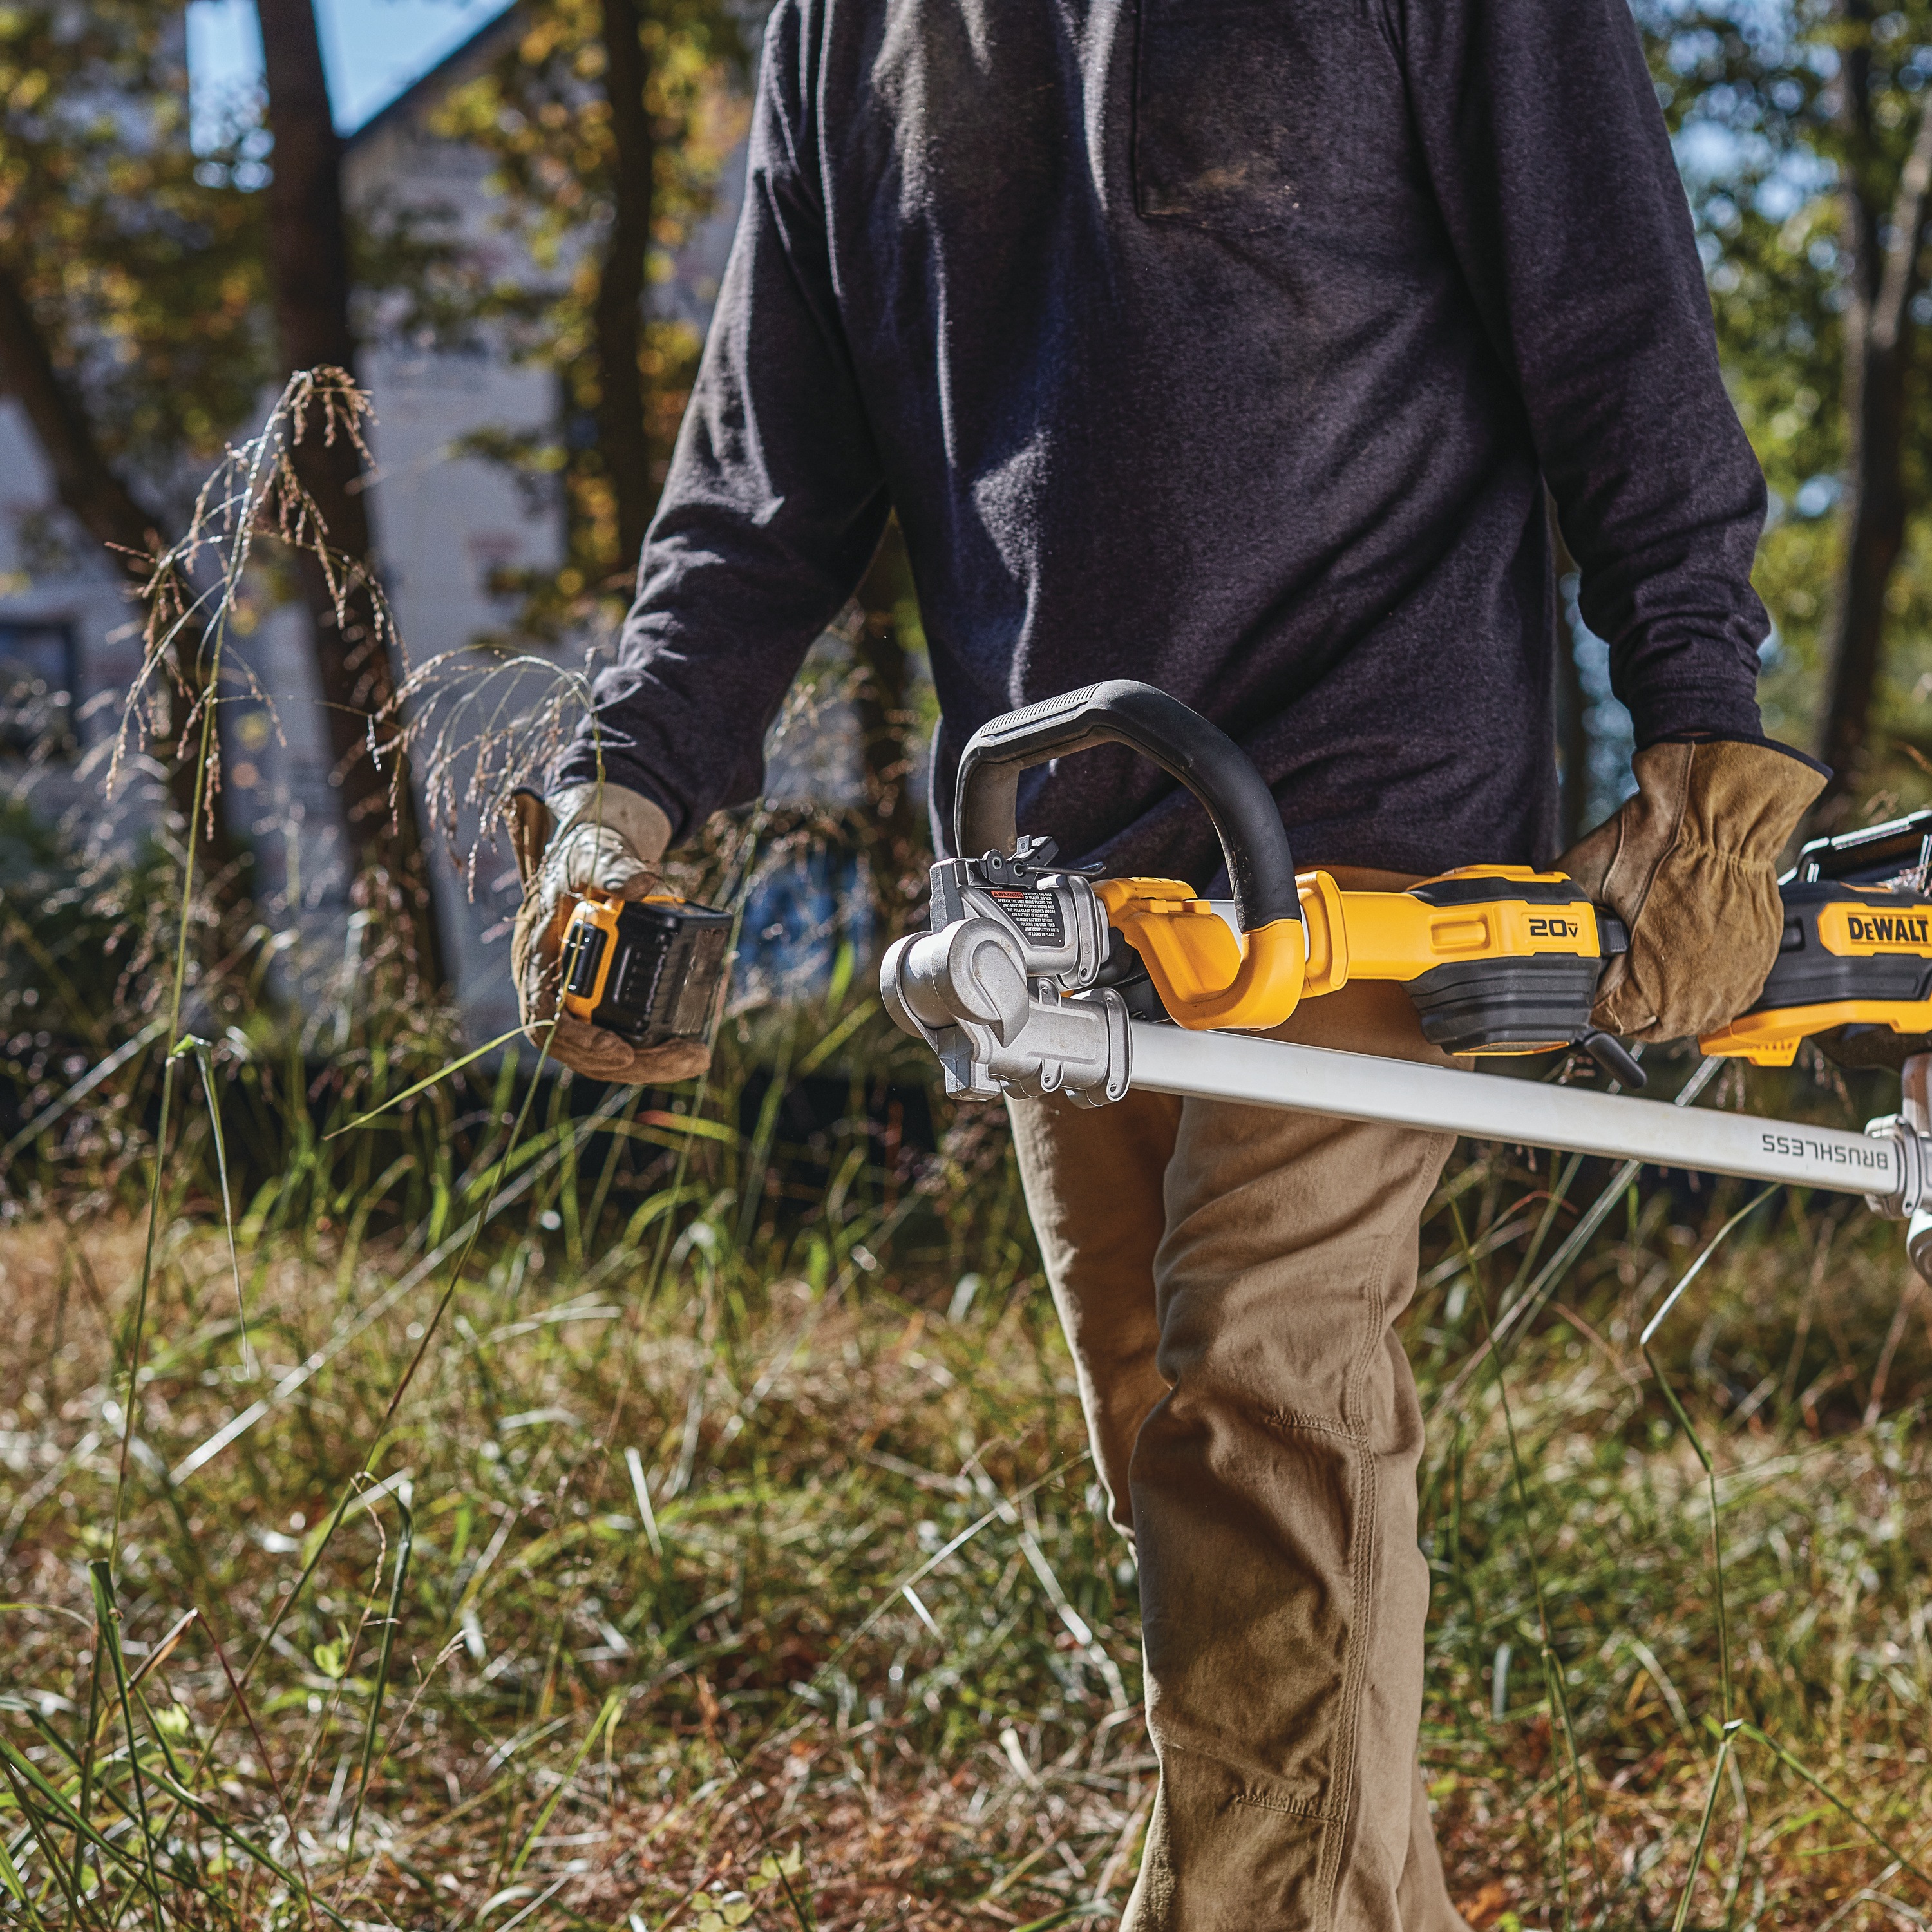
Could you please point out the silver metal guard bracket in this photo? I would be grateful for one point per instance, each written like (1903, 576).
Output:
(1905, 1198)
(1076, 1046)
(977, 992)
(1913, 1124)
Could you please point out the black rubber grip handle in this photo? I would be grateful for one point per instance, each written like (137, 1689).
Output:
(1199, 755)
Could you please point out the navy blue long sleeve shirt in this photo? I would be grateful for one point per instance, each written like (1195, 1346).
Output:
(1228, 344)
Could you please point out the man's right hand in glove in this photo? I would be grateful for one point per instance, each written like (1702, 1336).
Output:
(600, 838)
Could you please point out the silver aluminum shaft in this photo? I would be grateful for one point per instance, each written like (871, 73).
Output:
(1309, 1079)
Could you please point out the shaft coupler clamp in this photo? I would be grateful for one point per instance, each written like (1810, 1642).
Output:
(1911, 1128)
(1915, 1168)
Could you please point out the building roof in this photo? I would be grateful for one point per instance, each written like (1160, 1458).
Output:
(492, 37)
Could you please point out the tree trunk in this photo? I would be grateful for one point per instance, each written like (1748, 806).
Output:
(97, 498)
(896, 854)
(308, 261)
(1883, 247)
(618, 318)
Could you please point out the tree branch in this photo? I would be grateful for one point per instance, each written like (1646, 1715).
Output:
(1901, 279)
(309, 271)
(618, 317)
(87, 486)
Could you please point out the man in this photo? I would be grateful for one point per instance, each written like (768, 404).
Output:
(1231, 345)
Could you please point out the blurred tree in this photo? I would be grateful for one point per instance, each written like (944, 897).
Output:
(1808, 152)
(308, 257)
(892, 834)
(610, 121)
(1884, 137)
(134, 283)
(140, 259)
(129, 281)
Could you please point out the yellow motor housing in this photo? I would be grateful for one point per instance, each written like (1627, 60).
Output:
(1498, 959)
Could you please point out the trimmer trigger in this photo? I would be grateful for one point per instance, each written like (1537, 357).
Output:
(1615, 1058)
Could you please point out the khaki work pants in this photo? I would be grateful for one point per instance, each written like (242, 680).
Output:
(1229, 1279)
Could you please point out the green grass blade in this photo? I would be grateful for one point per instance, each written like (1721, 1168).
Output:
(204, 1059)
(24, 1767)
(57, 1868)
(107, 1624)
(612, 1705)
(1696, 1443)
(1851, 1813)
(1703, 1832)
(104, 1070)
(423, 1085)
(385, 1652)
(817, 1055)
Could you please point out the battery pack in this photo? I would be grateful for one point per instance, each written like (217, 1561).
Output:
(648, 971)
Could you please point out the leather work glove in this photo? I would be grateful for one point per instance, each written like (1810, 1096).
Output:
(587, 836)
(1689, 864)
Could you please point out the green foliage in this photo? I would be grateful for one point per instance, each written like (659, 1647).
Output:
(74, 930)
(541, 113)
(140, 259)
(1756, 96)
(82, 948)
(756, 1562)
(699, 1479)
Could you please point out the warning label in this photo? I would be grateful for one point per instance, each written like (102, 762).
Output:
(1036, 914)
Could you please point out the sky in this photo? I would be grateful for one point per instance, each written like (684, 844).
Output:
(372, 49)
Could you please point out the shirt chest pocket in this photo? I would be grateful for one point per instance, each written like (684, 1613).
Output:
(1231, 129)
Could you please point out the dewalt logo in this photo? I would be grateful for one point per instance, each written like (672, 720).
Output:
(1845, 928)
(1883, 928)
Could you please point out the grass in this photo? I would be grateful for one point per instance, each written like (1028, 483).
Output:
(459, 1498)
(717, 1569)
(563, 1676)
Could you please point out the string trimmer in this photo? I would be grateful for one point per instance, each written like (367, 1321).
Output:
(1036, 978)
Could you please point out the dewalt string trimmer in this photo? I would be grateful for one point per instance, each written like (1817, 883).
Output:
(1035, 978)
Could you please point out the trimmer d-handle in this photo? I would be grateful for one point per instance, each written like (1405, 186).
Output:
(1497, 959)
(1210, 977)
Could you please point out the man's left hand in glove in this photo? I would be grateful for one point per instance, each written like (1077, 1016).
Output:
(1690, 864)
(600, 838)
